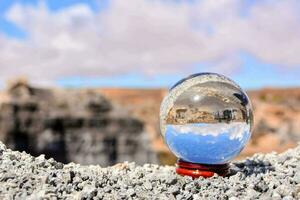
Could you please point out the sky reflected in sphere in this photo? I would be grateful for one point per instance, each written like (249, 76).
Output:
(206, 118)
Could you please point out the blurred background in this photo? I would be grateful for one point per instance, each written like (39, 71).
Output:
(82, 81)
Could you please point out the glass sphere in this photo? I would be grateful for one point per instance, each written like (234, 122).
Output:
(206, 118)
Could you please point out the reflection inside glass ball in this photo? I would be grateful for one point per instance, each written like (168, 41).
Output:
(206, 118)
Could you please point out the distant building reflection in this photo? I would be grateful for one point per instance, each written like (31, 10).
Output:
(183, 115)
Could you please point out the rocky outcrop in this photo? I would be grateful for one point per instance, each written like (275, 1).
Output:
(71, 125)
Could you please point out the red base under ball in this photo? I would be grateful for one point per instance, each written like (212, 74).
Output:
(196, 170)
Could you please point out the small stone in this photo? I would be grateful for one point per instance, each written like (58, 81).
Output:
(287, 198)
(175, 190)
(130, 192)
(171, 180)
(148, 185)
(59, 165)
(296, 177)
(275, 195)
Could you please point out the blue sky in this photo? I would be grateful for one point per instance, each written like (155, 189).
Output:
(94, 47)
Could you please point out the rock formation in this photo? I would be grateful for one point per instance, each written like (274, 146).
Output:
(71, 125)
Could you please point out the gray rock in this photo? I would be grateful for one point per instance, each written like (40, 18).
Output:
(68, 125)
(260, 177)
(296, 177)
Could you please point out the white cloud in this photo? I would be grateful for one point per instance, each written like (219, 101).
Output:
(148, 36)
(235, 130)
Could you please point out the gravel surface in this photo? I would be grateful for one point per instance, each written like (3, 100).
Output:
(269, 176)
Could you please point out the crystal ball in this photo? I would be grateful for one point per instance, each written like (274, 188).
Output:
(206, 118)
